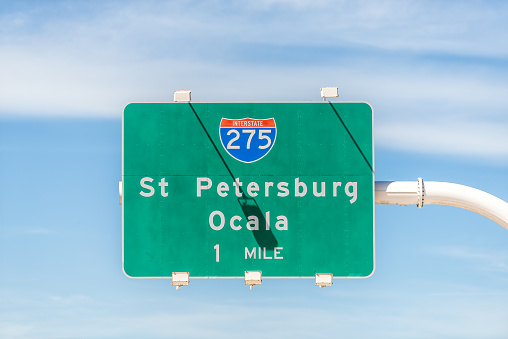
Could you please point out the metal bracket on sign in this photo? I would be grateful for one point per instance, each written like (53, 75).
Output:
(182, 96)
(180, 279)
(252, 278)
(323, 280)
(120, 191)
(329, 92)
(421, 193)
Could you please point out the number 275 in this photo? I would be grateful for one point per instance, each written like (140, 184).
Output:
(252, 132)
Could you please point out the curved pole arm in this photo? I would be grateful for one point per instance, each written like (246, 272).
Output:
(442, 193)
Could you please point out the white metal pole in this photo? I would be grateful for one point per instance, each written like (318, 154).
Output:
(442, 193)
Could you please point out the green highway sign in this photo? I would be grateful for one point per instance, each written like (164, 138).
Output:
(217, 189)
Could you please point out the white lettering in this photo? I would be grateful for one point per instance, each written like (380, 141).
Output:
(248, 123)
(252, 188)
(222, 221)
(252, 132)
(200, 187)
(276, 252)
(163, 184)
(267, 188)
(232, 223)
(216, 247)
(222, 189)
(252, 255)
(350, 194)
(335, 185)
(314, 189)
(283, 189)
(253, 224)
(299, 184)
(237, 185)
(147, 187)
(264, 254)
(282, 223)
(261, 253)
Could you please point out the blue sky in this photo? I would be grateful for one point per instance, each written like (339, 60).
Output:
(435, 73)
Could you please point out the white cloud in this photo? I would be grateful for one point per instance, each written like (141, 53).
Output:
(73, 300)
(10, 329)
(30, 230)
(438, 65)
(486, 140)
(414, 314)
(38, 231)
(484, 259)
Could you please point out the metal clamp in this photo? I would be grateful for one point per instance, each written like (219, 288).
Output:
(420, 192)
(182, 96)
(323, 280)
(252, 278)
(329, 92)
(180, 279)
(120, 191)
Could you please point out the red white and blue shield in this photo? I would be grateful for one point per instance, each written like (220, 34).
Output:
(247, 140)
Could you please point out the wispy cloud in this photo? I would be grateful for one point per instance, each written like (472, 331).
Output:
(28, 230)
(10, 329)
(38, 231)
(484, 259)
(72, 299)
(436, 316)
(487, 140)
(416, 62)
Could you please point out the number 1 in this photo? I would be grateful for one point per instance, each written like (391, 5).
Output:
(216, 247)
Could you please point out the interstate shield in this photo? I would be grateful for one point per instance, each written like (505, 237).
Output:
(247, 140)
